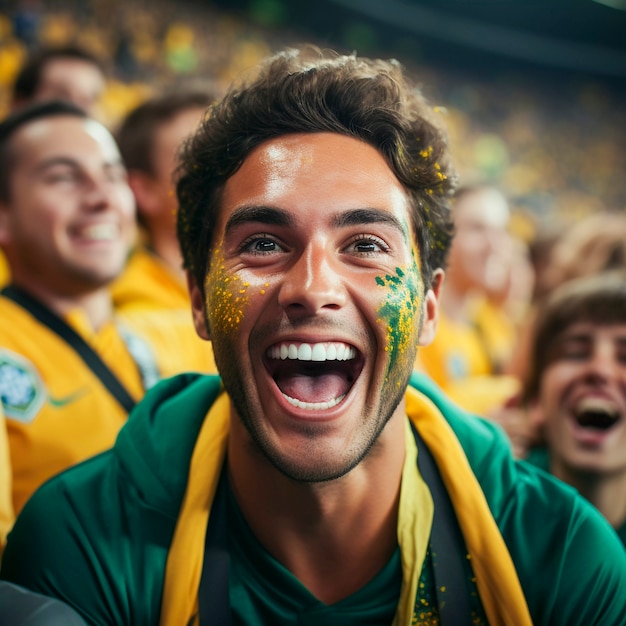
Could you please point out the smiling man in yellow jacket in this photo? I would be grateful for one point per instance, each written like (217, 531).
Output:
(70, 369)
(317, 481)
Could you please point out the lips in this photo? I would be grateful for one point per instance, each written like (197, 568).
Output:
(314, 376)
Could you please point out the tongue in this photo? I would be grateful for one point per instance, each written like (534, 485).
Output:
(322, 388)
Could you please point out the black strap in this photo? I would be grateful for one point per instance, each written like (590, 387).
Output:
(447, 546)
(58, 325)
(213, 599)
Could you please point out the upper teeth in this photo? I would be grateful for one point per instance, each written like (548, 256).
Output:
(328, 351)
(100, 231)
(595, 405)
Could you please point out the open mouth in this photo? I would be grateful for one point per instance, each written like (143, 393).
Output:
(316, 376)
(98, 232)
(596, 413)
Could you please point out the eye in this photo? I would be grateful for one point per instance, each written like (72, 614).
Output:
(574, 350)
(366, 245)
(261, 245)
(61, 176)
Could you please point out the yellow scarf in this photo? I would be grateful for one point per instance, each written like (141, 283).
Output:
(497, 581)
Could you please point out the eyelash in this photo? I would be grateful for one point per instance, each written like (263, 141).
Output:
(246, 244)
(370, 239)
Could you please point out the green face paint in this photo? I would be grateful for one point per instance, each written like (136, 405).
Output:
(400, 313)
(226, 296)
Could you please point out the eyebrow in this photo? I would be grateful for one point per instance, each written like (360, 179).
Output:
(262, 214)
(367, 216)
(278, 217)
(72, 162)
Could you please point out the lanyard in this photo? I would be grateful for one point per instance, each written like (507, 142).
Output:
(446, 542)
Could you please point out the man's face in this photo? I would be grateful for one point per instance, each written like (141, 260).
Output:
(314, 300)
(481, 241)
(72, 80)
(69, 220)
(582, 400)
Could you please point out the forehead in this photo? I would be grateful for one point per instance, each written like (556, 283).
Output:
(63, 135)
(314, 173)
(68, 70)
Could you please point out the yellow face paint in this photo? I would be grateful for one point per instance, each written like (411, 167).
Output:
(226, 296)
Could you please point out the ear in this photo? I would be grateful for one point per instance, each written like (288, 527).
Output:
(198, 307)
(146, 192)
(430, 315)
(5, 231)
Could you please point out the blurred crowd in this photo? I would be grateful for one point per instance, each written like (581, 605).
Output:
(551, 145)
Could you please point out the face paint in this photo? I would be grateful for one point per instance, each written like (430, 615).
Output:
(398, 312)
(226, 296)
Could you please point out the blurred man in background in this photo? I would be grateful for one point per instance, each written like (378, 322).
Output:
(149, 138)
(476, 335)
(576, 389)
(68, 73)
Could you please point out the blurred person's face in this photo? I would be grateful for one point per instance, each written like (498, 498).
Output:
(315, 302)
(155, 192)
(70, 219)
(582, 400)
(71, 80)
(481, 243)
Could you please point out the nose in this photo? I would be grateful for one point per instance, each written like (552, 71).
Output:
(98, 193)
(313, 282)
(604, 363)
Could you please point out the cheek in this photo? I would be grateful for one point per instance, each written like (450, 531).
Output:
(400, 311)
(554, 380)
(226, 296)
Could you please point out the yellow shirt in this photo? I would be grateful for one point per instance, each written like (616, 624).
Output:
(459, 362)
(4, 270)
(6, 506)
(173, 338)
(148, 283)
(58, 411)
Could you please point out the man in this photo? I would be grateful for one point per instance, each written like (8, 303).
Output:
(314, 222)
(68, 73)
(576, 390)
(70, 371)
(149, 138)
(476, 334)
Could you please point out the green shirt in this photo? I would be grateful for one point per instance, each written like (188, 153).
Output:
(97, 536)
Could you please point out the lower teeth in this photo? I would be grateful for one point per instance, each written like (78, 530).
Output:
(314, 406)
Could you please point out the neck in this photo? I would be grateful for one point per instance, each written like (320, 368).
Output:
(606, 492)
(95, 304)
(166, 247)
(333, 536)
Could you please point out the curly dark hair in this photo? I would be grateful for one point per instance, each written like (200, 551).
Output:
(310, 91)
